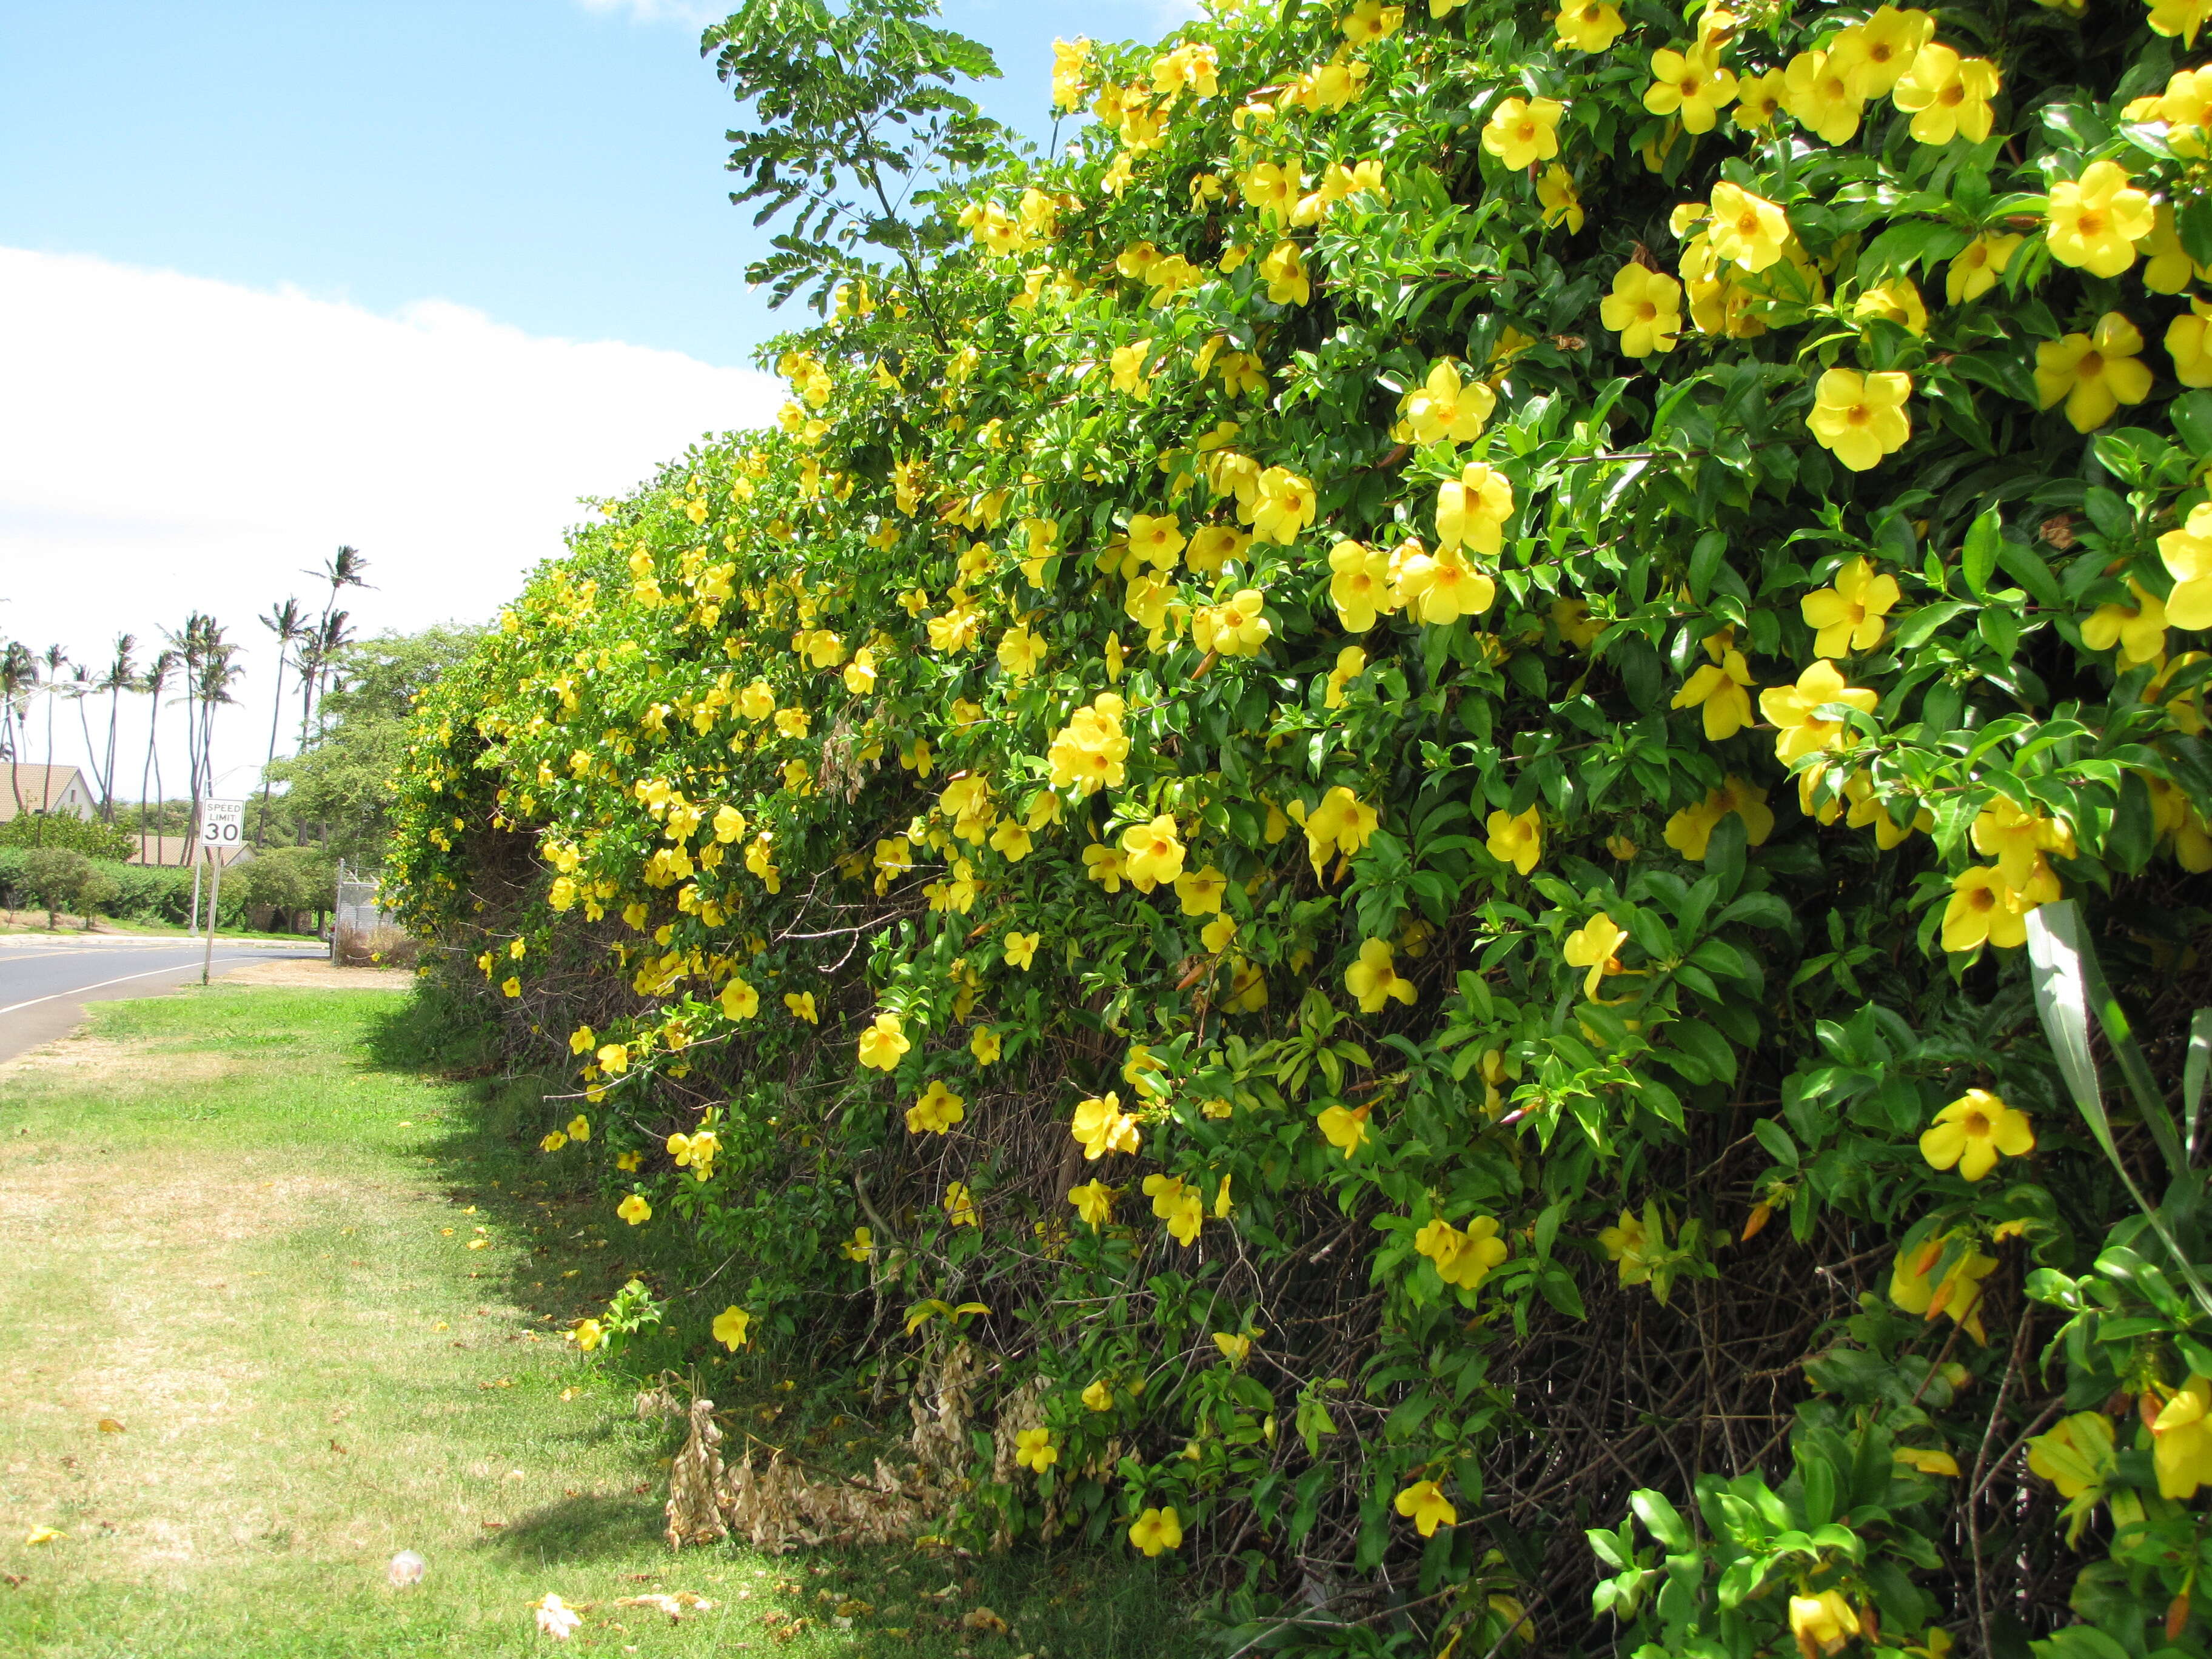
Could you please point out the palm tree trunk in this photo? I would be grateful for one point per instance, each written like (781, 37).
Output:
(276, 714)
(152, 732)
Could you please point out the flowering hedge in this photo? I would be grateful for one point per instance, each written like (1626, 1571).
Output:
(1358, 783)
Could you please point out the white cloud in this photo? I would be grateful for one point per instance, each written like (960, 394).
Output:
(170, 443)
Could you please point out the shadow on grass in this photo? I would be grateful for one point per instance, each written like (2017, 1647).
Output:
(578, 1530)
(1077, 1600)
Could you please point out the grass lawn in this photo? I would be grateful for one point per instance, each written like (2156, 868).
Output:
(275, 1308)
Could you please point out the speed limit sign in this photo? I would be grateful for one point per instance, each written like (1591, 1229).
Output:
(222, 823)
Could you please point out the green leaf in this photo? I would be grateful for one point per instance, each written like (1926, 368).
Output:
(1776, 1138)
(1984, 540)
(1662, 1520)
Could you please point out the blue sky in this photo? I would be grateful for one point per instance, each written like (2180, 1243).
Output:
(413, 275)
(554, 164)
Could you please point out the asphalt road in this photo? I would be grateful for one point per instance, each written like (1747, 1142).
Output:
(45, 983)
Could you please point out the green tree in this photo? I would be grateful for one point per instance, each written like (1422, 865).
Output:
(290, 880)
(341, 783)
(58, 877)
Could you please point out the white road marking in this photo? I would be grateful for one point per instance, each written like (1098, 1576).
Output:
(185, 967)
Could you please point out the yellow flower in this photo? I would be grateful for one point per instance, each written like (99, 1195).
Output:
(1515, 839)
(628, 1161)
(730, 1328)
(1984, 909)
(739, 999)
(1472, 508)
(1200, 891)
(1819, 96)
(960, 1207)
(1822, 1623)
(1094, 1203)
(635, 1210)
(1439, 589)
(1588, 25)
(1927, 1460)
(801, 1004)
(581, 1039)
(935, 1110)
(1154, 854)
(1462, 1258)
(1235, 1347)
(554, 1141)
(1033, 1450)
(882, 1043)
(1592, 946)
(1425, 1504)
(1959, 1294)
(1105, 865)
(1746, 229)
(2181, 1441)
(1758, 99)
(861, 1246)
(1976, 269)
(2094, 373)
(1792, 708)
(2075, 1455)
(1162, 1529)
(2189, 343)
(2187, 554)
(1284, 273)
(1444, 409)
(1848, 615)
(2177, 17)
(1374, 980)
(587, 1335)
(1946, 95)
(1722, 690)
(1099, 1396)
(1284, 505)
(579, 1129)
(1898, 302)
(1861, 416)
(511, 988)
(1690, 85)
(1973, 1131)
(1632, 1244)
(1350, 664)
(1345, 1127)
(1522, 131)
(985, 1046)
(1645, 309)
(1877, 52)
(1690, 832)
(1156, 538)
(1022, 652)
(2095, 220)
(1021, 950)
(1557, 195)
(2138, 629)
(1341, 824)
(1102, 1127)
(2018, 839)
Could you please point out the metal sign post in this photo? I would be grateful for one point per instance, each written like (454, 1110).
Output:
(223, 827)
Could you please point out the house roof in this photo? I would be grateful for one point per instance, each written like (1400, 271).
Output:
(179, 849)
(41, 784)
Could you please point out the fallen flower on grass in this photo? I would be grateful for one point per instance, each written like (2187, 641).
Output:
(44, 1536)
(406, 1568)
(109, 1425)
(556, 1617)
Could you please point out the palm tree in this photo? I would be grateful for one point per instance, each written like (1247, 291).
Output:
(192, 643)
(157, 678)
(122, 676)
(82, 688)
(341, 572)
(288, 623)
(56, 660)
(19, 676)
